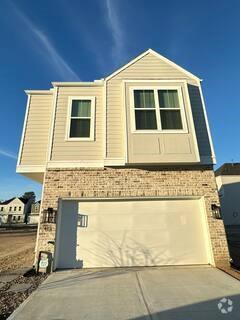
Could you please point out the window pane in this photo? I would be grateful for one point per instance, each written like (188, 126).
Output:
(81, 108)
(80, 128)
(144, 99)
(145, 119)
(168, 98)
(171, 119)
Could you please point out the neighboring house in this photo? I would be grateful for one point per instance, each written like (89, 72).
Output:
(14, 210)
(33, 217)
(127, 165)
(228, 182)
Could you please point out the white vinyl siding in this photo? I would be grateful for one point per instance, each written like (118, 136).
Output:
(35, 142)
(70, 150)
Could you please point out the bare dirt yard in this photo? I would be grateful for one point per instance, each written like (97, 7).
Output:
(17, 281)
(17, 248)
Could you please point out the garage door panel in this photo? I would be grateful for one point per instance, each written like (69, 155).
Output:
(141, 233)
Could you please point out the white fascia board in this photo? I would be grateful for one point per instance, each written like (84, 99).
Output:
(23, 130)
(173, 64)
(38, 92)
(98, 83)
(127, 65)
(114, 162)
(30, 168)
(76, 164)
(52, 122)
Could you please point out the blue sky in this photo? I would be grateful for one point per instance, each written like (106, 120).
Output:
(69, 40)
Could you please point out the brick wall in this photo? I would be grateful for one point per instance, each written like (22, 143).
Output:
(134, 182)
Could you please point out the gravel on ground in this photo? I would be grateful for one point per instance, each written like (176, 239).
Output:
(10, 300)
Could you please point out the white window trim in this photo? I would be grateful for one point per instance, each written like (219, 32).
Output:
(92, 119)
(159, 130)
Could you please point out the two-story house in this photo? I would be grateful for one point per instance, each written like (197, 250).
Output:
(33, 217)
(14, 210)
(127, 164)
(228, 182)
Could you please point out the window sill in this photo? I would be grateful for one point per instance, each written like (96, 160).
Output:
(79, 139)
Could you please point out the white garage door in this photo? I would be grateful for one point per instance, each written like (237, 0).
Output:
(131, 233)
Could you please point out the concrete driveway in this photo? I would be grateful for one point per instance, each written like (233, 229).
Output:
(176, 293)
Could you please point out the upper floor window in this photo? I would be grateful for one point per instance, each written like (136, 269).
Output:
(15, 208)
(19, 208)
(81, 118)
(1, 208)
(170, 113)
(10, 208)
(159, 109)
(145, 115)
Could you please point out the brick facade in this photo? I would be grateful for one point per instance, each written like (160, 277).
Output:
(134, 182)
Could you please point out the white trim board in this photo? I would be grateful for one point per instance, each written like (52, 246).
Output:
(30, 168)
(76, 164)
(52, 123)
(24, 130)
(98, 83)
(39, 92)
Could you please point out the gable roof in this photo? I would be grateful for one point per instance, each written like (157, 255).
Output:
(7, 201)
(24, 200)
(10, 200)
(230, 169)
(173, 64)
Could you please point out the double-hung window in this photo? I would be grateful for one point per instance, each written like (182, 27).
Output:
(158, 109)
(81, 118)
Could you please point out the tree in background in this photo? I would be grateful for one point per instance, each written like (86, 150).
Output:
(30, 196)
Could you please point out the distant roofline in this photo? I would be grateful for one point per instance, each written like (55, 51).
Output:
(228, 169)
(11, 199)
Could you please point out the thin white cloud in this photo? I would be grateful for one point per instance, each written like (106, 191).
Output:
(118, 49)
(52, 56)
(7, 154)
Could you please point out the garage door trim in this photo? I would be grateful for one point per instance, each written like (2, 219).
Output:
(102, 199)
